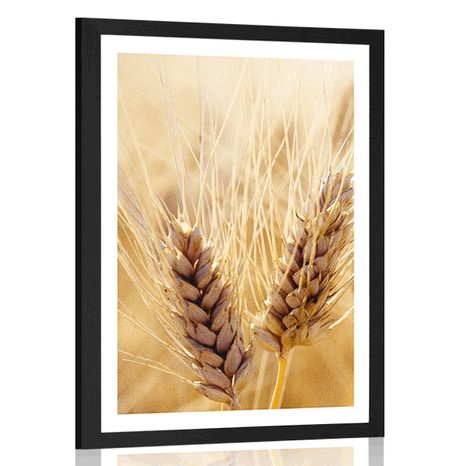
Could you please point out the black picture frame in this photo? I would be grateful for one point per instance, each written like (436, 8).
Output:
(88, 233)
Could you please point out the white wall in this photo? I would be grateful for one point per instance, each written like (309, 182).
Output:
(426, 99)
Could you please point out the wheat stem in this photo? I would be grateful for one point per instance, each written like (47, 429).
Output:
(279, 383)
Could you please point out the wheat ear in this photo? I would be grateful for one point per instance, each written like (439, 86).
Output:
(210, 324)
(311, 274)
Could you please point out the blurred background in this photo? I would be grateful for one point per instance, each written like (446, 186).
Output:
(167, 106)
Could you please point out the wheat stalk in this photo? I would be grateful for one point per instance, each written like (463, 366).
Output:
(210, 325)
(190, 294)
(311, 274)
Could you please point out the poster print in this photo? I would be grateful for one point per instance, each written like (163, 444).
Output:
(235, 234)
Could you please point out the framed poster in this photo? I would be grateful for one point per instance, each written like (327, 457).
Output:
(229, 233)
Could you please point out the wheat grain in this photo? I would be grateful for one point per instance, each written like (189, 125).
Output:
(313, 270)
(210, 325)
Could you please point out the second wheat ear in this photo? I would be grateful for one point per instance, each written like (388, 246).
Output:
(312, 274)
(208, 322)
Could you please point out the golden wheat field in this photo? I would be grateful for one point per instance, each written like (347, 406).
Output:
(235, 234)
